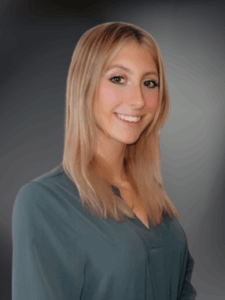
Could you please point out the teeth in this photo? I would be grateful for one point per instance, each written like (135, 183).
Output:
(130, 119)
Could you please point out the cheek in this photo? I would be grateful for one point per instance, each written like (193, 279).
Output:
(109, 97)
(152, 101)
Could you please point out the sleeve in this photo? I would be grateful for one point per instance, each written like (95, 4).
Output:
(188, 292)
(48, 253)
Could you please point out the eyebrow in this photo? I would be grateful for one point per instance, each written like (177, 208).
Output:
(129, 71)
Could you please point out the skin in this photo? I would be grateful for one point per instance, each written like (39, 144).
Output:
(131, 94)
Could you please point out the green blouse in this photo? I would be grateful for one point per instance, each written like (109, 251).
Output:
(62, 252)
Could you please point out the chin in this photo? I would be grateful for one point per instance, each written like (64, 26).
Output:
(130, 141)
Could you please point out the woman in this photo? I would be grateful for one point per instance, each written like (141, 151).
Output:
(101, 225)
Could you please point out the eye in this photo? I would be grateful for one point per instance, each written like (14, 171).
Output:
(150, 83)
(116, 79)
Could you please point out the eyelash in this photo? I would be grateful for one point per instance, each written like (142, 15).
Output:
(155, 84)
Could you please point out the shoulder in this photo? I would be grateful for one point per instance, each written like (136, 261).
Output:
(52, 174)
(44, 196)
(45, 204)
(39, 189)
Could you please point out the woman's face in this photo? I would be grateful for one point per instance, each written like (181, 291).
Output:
(129, 87)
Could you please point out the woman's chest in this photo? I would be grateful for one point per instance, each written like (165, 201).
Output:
(124, 252)
(135, 202)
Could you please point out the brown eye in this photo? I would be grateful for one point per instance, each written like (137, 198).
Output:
(150, 83)
(116, 79)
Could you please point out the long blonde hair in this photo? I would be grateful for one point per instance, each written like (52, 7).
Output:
(91, 57)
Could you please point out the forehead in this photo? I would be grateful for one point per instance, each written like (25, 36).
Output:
(132, 54)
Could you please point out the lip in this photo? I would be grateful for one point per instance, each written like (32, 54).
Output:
(129, 115)
(130, 124)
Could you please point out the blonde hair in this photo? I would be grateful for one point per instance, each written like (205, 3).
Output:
(93, 52)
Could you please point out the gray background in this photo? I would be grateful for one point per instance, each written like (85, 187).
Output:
(36, 46)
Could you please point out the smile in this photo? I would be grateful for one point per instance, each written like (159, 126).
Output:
(132, 121)
(129, 118)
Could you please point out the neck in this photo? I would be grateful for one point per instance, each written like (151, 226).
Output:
(113, 174)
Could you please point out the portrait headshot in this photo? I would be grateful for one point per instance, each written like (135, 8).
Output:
(101, 225)
(114, 155)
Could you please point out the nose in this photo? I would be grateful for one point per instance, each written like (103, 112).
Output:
(136, 98)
